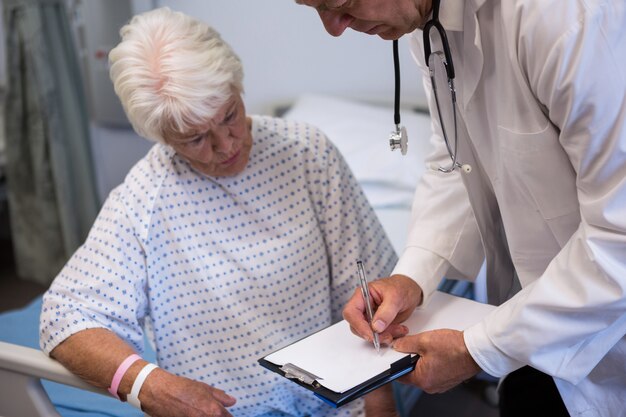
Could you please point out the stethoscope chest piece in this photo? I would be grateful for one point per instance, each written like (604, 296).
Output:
(399, 140)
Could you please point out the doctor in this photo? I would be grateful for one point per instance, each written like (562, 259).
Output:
(529, 171)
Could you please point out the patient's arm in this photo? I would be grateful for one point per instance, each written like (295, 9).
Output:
(381, 403)
(95, 354)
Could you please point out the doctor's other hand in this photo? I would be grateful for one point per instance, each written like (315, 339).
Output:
(444, 360)
(394, 299)
(168, 395)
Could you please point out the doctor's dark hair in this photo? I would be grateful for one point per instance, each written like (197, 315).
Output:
(172, 73)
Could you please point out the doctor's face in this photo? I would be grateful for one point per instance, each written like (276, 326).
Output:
(389, 19)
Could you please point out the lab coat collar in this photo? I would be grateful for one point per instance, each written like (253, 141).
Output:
(460, 15)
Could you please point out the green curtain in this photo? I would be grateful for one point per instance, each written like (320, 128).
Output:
(50, 176)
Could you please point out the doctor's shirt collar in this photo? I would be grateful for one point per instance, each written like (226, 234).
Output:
(451, 12)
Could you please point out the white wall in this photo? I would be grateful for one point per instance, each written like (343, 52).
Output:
(285, 52)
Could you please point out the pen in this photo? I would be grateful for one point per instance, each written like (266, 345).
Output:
(368, 303)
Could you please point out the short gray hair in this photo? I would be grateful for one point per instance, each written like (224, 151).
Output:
(172, 73)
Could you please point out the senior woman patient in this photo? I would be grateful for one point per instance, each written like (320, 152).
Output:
(235, 235)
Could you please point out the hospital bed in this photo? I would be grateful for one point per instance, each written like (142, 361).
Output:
(33, 385)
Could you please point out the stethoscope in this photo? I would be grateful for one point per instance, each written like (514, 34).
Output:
(435, 60)
(398, 138)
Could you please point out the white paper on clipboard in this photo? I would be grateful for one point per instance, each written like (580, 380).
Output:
(342, 361)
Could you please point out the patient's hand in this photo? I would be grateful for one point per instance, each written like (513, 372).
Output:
(167, 395)
(95, 354)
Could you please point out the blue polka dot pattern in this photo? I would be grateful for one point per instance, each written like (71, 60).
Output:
(223, 271)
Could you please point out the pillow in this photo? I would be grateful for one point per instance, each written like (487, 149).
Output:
(361, 133)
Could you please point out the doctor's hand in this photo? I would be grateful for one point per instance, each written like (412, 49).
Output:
(168, 395)
(394, 299)
(444, 360)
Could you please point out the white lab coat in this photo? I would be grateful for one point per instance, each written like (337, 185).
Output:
(541, 94)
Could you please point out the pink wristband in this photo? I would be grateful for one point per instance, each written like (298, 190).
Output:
(119, 374)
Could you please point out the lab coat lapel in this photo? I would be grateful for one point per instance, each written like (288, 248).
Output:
(502, 282)
(472, 50)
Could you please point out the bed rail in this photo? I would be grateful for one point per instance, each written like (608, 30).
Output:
(21, 392)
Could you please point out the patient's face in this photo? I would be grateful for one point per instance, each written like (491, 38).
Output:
(389, 19)
(221, 148)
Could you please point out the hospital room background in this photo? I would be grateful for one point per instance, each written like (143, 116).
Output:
(292, 68)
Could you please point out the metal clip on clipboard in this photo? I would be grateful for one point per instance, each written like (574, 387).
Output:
(293, 372)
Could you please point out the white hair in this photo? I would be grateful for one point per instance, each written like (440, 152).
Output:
(172, 73)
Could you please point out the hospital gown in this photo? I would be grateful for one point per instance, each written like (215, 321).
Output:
(223, 271)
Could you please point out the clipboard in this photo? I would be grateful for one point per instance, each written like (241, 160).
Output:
(339, 367)
(337, 399)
